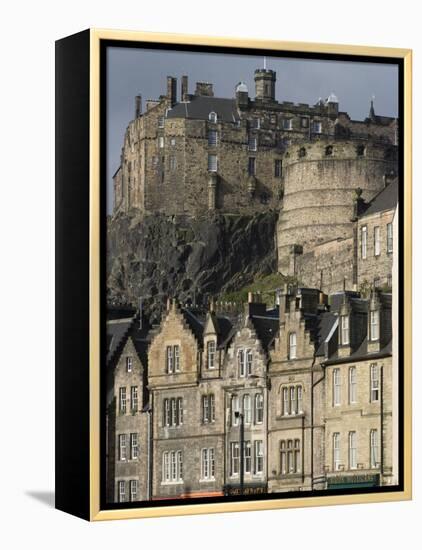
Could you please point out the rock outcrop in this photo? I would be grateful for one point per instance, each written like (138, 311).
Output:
(192, 259)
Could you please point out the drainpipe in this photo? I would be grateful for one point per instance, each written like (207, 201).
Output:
(150, 451)
(314, 384)
(382, 422)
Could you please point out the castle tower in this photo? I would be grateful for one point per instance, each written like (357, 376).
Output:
(265, 84)
(320, 183)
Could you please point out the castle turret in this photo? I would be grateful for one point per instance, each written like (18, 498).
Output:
(265, 84)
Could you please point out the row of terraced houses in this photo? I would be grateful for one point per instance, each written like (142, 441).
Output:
(293, 398)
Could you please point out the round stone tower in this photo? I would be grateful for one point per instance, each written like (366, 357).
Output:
(320, 182)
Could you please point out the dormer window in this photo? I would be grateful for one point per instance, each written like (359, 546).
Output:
(345, 330)
(212, 117)
(375, 325)
(211, 354)
(292, 345)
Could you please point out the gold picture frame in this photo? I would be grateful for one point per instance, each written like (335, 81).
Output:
(92, 510)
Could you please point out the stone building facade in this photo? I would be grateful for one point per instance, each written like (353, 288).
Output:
(128, 417)
(307, 387)
(242, 154)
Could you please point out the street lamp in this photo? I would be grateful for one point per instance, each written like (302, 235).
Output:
(240, 415)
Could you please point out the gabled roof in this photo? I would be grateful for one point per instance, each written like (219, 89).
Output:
(385, 200)
(266, 328)
(199, 107)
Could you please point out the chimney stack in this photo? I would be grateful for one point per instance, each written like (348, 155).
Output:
(184, 88)
(138, 106)
(172, 90)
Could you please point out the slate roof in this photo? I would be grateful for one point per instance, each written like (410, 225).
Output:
(196, 321)
(201, 106)
(385, 200)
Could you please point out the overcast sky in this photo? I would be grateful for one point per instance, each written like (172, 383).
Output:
(133, 71)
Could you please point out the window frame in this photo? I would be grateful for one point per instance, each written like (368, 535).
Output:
(352, 385)
(122, 447)
(364, 242)
(122, 400)
(134, 446)
(374, 383)
(292, 346)
(336, 387)
(212, 163)
(390, 238)
(377, 241)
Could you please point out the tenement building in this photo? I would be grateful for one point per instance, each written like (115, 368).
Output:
(288, 399)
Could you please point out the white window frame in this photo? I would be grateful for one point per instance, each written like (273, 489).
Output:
(166, 412)
(122, 493)
(133, 487)
(316, 127)
(377, 240)
(374, 448)
(211, 352)
(129, 363)
(212, 117)
(134, 446)
(179, 410)
(389, 238)
(375, 382)
(169, 360)
(292, 345)
(241, 362)
(234, 458)
(161, 121)
(299, 390)
(336, 451)
(364, 242)
(207, 464)
(293, 402)
(286, 401)
(283, 457)
(258, 457)
(247, 408)
(249, 361)
(176, 357)
(353, 462)
(374, 325)
(352, 385)
(252, 143)
(166, 467)
(234, 409)
(287, 123)
(345, 330)
(259, 408)
(161, 142)
(336, 387)
(212, 163)
(134, 400)
(122, 447)
(247, 457)
(212, 138)
(122, 400)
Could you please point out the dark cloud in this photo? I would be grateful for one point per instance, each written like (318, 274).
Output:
(133, 71)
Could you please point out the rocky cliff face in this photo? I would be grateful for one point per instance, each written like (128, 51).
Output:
(191, 259)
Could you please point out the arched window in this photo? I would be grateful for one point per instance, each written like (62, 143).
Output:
(212, 117)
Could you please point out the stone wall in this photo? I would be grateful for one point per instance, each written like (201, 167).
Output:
(320, 180)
